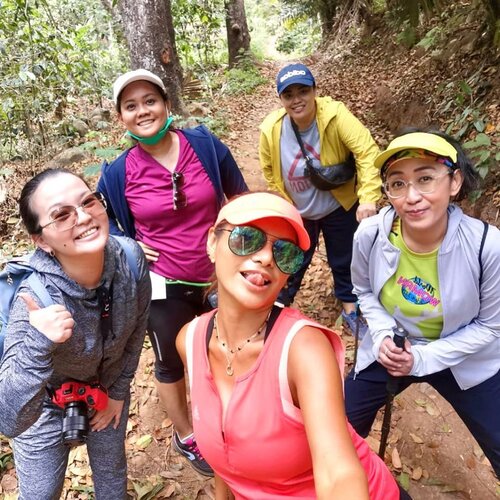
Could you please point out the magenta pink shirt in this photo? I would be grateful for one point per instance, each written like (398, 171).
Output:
(261, 448)
(179, 235)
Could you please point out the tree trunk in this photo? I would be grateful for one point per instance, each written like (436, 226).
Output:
(150, 36)
(327, 9)
(238, 36)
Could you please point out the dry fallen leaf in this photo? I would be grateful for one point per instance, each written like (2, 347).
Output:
(470, 462)
(396, 461)
(417, 473)
(373, 443)
(9, 483)
(144, 441)
(416, 439)
(431, 409)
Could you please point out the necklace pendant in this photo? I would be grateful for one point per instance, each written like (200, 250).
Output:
(229, 371)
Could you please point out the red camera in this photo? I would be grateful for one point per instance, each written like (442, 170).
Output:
(94, 395)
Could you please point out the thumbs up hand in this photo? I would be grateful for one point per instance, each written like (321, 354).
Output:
(55, 321)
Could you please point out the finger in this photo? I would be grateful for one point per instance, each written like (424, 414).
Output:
(151, 253)
(69, 323)
(30, 302)
(116, 418)
(147, 249)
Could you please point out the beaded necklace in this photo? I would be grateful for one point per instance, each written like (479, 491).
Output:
(230, 353)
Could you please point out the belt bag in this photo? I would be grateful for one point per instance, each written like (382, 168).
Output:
(327, 177)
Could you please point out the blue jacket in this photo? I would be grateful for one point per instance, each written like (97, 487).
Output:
(470, 339)
(215, 157)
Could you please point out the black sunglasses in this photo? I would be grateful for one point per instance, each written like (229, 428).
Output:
(180, 199)
(246, 240)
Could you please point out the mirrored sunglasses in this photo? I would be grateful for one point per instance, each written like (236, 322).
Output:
(246, 240)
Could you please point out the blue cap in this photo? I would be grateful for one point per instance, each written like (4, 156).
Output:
(294, 73)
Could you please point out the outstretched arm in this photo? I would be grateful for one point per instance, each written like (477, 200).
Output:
(316, 386)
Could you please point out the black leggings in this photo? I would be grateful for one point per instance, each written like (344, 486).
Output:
(166, 318)
(403, 494)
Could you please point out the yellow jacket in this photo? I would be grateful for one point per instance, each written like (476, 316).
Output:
(340, 133)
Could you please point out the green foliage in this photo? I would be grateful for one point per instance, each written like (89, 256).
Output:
(410, 10)
(243, 80)
(50, 51)
(408, 36)
(5, 459)
(431, 38)
(299, 35)
(262, 33)
(199, 32)
(481, 154)
(468, 119)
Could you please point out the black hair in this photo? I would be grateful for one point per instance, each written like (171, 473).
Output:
(29, 217)
(471, 178)
(162, 93)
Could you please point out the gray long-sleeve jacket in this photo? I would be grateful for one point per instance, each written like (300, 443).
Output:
(470, 339)
(31, 361)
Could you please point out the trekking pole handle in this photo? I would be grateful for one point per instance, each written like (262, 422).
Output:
(399, 338)
(400, 335)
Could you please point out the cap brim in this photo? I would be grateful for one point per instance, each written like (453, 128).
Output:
(245, 209)
(297, 81)
(136, 78)
(417, 140)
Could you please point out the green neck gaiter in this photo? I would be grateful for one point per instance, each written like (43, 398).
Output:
(155, 139)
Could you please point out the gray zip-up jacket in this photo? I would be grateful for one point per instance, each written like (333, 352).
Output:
(31, 361)
(470, 340)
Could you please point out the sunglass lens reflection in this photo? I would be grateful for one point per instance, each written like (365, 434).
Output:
(245, 240)
(288, 256)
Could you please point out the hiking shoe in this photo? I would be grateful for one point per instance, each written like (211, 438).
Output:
(190, 451)
(352, 319)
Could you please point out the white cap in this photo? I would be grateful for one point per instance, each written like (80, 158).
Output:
(133, 76)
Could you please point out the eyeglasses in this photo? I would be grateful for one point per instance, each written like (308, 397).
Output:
(180, 199)
(246, 240)
(66, 217)
(424, 184)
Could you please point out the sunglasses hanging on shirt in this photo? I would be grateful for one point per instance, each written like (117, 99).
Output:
(179, 197)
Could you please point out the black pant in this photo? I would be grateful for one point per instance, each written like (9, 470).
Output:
(338, 230)
(478, 407)
(166, 318)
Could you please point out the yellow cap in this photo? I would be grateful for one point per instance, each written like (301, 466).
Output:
(417, 140)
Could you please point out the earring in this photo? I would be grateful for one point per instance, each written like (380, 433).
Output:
(52, 253)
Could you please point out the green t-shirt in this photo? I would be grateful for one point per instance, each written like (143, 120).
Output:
(411, 295)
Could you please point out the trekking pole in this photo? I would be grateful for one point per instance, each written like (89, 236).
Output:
(356, 335)
(392, 388)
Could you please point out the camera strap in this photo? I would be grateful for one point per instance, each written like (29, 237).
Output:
(104, 298)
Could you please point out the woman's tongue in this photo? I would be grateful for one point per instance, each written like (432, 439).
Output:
(254, 278)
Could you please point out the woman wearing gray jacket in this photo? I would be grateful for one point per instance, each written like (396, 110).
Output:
(66, 372)
(423, 265)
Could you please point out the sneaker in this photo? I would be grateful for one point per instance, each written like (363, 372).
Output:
(353, 319)
(190, 451)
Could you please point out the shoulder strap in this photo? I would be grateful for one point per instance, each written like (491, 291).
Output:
(307, 158)
(129, 253)
(483, 239)
(39, 289)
